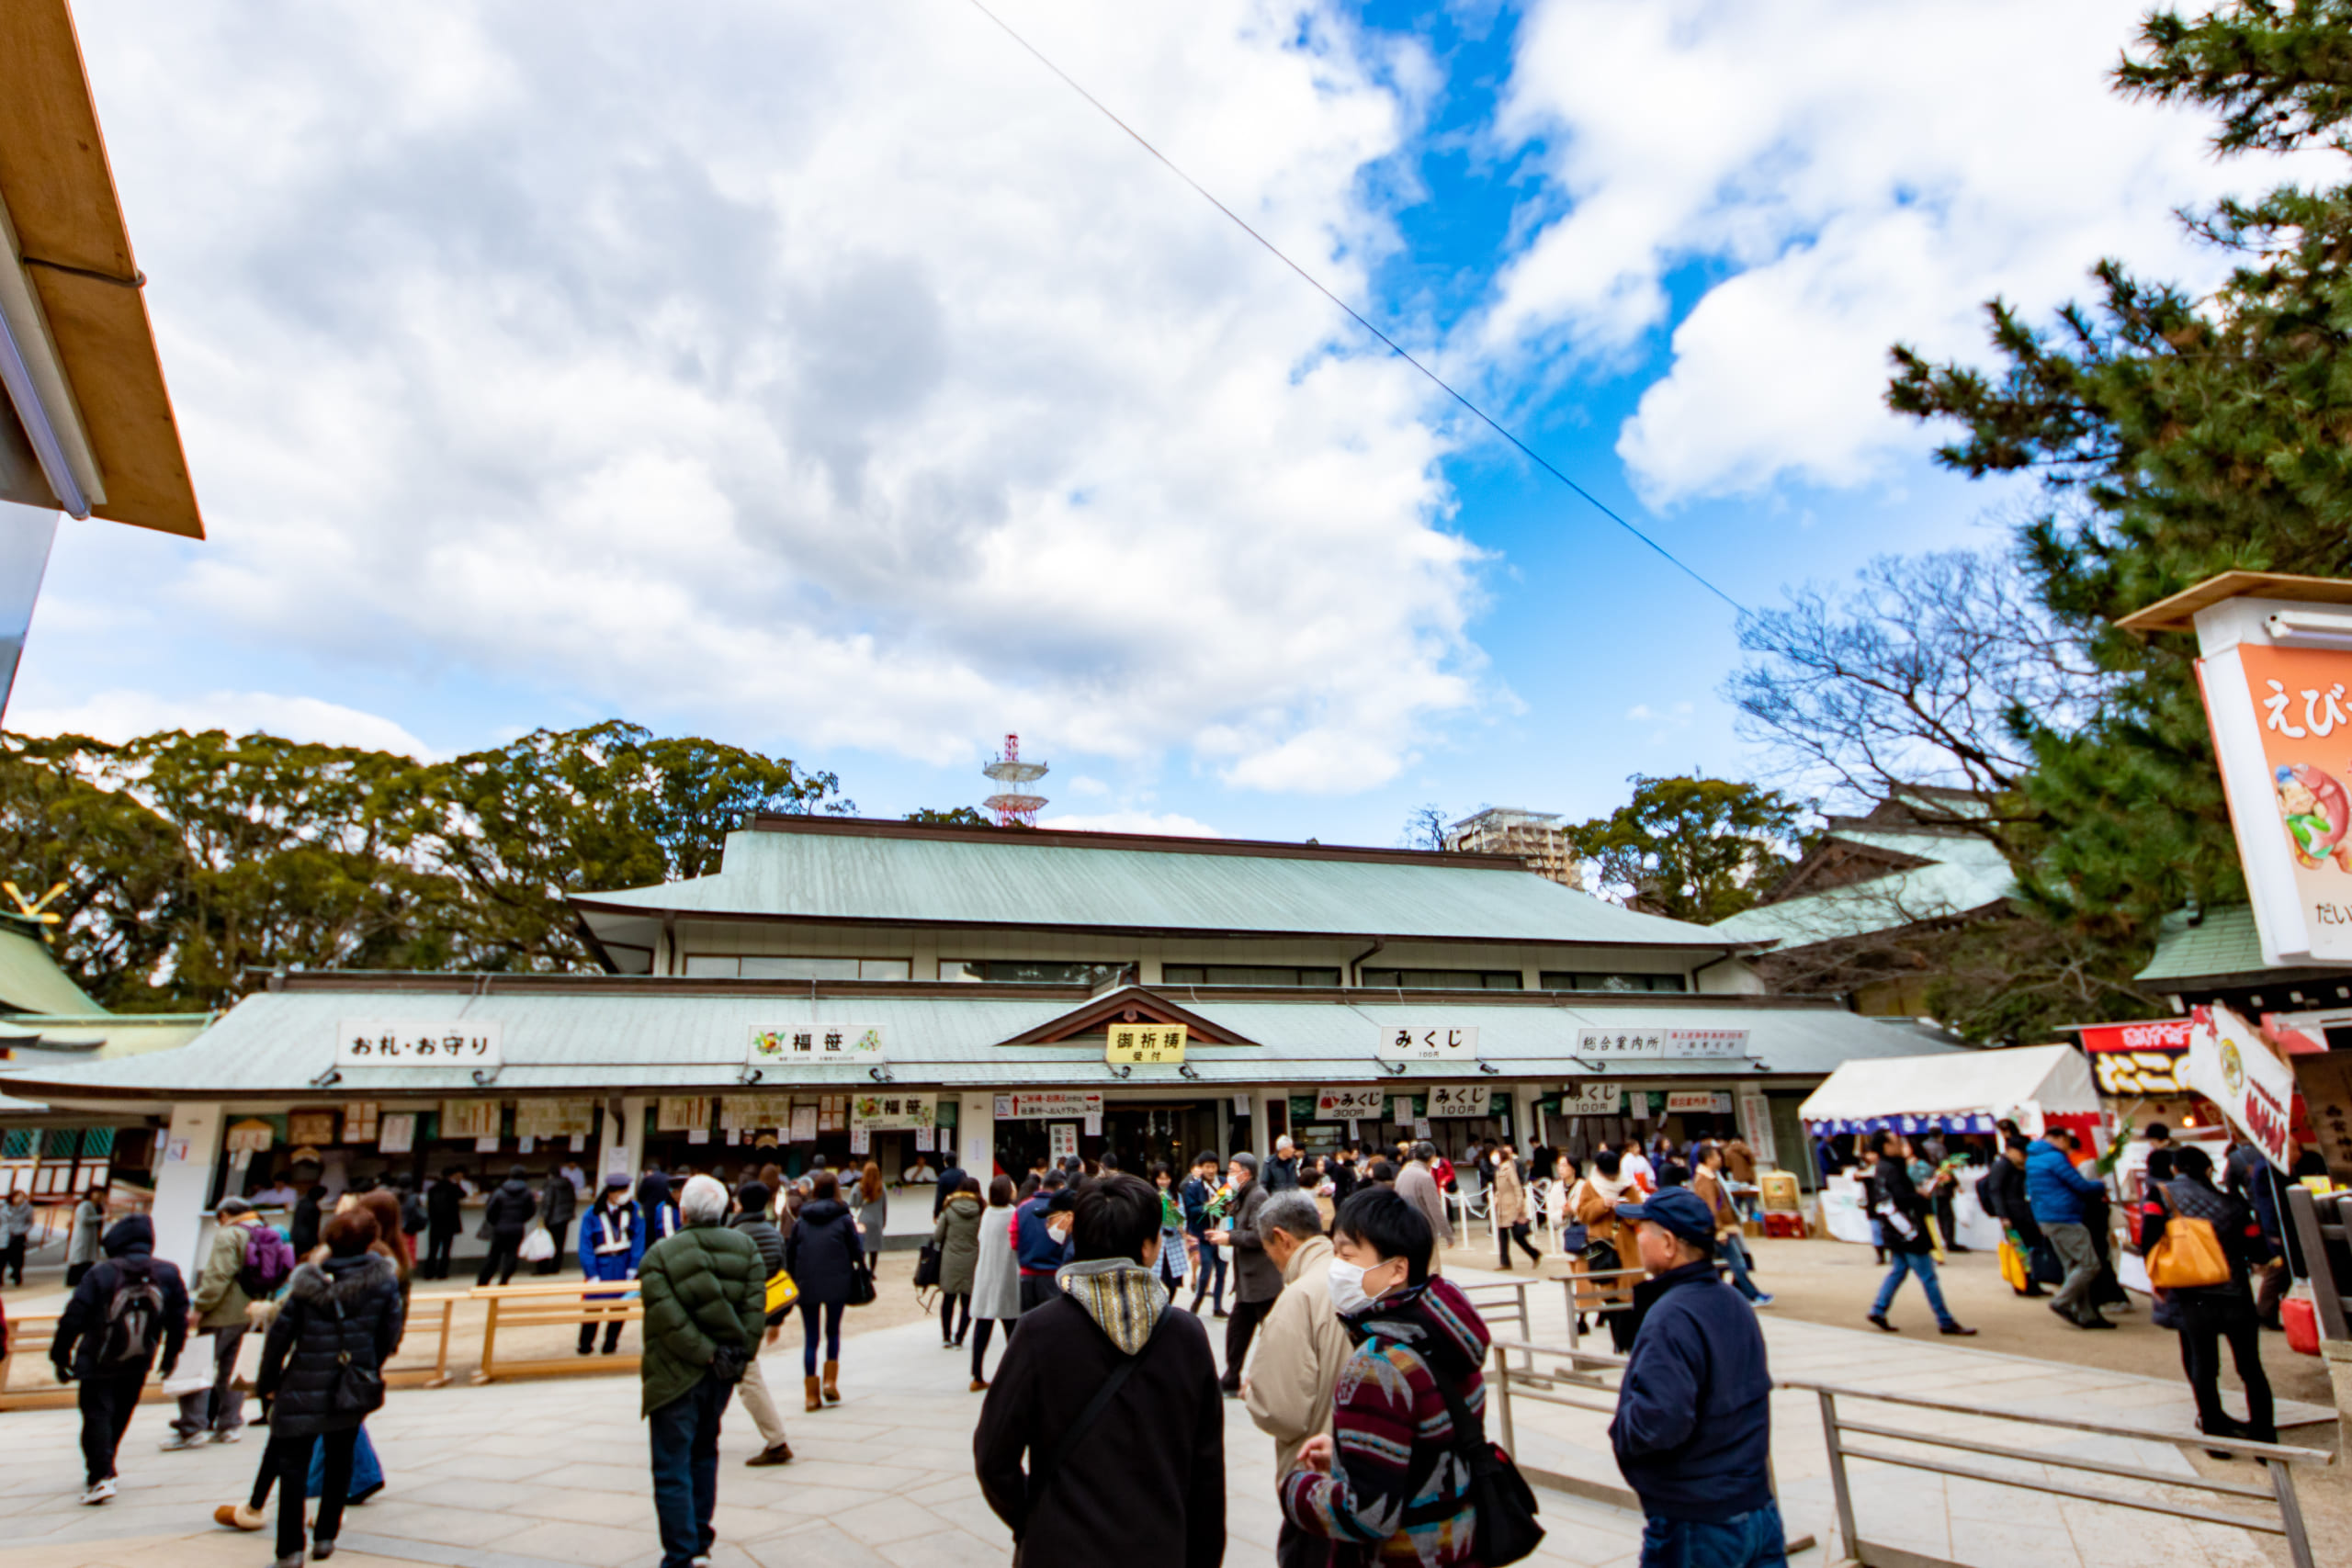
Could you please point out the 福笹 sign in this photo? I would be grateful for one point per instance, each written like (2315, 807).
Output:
(889, 1113)
(416, 1043)
(808, 1044)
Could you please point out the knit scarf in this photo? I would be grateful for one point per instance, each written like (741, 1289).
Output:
(1123, 1297)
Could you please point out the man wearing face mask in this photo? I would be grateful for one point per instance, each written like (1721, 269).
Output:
(1693, 1428)
(1042, 1240)
(1300, 1352)
(1388, 1481)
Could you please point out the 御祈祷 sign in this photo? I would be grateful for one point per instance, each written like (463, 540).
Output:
(1680, 1100)
(1351, 1104)
(1592, 1099)
(474, 1119)
(888, 1113)
(2147, 1035)
(1151, 1045)
(1428, 1042)
(2232, 1066)
(416, 1043)
(783, 1045)
(2131, 1074)
(1026, 1106)
(1662, 1044)
(1457, 1100)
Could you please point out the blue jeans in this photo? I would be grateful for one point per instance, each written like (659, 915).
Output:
(1745, 1540)
(684, 1437)
(810, 1311)
(1736, 1254)
(1923, 1264)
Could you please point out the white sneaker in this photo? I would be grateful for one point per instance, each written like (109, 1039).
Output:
(230, 1435)
(98, 1492)
(179, 1441)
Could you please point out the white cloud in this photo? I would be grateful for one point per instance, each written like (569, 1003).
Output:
(119, 714)
(830, 373)
(1131, 822)
(1863, 174)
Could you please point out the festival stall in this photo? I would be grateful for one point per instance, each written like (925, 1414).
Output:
(2038, 1087)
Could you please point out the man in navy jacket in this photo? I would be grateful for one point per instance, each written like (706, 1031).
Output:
(1043, 1242)
(1693, 1429)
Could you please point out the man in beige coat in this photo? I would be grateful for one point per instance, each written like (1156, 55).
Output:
(217, 1306)
(1300, 1351)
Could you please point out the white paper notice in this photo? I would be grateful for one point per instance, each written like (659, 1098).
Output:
(1062, 1140)
(925, 1141)
(1241, 1105)
(1094, 1124)
(525, 1145)
(860, 1141)
(804, 1124)
(698, 1134)
(1421, 1126)
(396, 1135)
(579, 1143)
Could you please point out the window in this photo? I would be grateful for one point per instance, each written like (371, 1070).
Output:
(1026, 971)
(1555, 980)
(1445, 979)
(1244, 974)
(712, 966)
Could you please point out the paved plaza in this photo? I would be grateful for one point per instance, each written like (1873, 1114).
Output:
(534, 1474)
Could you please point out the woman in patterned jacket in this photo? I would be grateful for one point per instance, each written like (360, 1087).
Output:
(1387, 1485)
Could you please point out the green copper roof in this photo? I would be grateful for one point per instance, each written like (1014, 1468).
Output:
(2223, 942)
(1964, 873)
(30, 980)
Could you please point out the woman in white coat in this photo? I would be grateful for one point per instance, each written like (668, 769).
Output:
(996, 1277)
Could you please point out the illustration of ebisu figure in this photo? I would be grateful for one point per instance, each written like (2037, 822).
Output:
(2318, 815)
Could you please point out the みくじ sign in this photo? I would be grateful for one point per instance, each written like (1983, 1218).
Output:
(1351, 1104)
(1458, 1101)
(785, 1044)
(1428, 1042)
(417, 1043)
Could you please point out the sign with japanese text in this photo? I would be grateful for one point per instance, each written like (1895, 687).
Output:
(788, 1043)
(1351, 1104)
(1428, 1042)
(2230, 1064)
(752, 1112)
(1061, 1141)
(1160, 1045)
(359, 1121)
(310, 1127)
(554, 1118)
(1063, 1104)
(1620, 1043)
(416, 1043)
(2130, 1074)
(1457, 1100)
(1756, 1126)
(2149, 1034)
(889, 1112)
(682, 1113)
(470, 1118)
(1680, 1101)
(1592, 1099)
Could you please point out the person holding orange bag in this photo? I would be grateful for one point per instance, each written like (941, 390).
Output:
(2204, 1315)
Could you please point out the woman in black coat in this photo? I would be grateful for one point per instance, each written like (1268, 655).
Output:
(322, 1367)
(2207, 1316)
(826, 1258)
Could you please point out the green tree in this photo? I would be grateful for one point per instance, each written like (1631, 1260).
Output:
(2173, 437)
(954, 817)
(1695, 848)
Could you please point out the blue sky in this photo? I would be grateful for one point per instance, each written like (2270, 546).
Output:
(832, 381)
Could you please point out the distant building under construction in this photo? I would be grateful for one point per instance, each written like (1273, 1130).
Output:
(1536, 837)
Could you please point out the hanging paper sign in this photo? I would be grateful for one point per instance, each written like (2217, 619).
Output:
(527, 1145)
(554, 1118)
(682, 1113)
(469, 1119)
(1349, 1104)
(1428, 1042)
(396, 1134)
(251, 1136)
(310, 1127)
(1049, 1105)
(861, 1141)
(1421, 1126)
(359, 1122)
(749, 1113)
(1094, 1124)
(1681, 1100)
(1592, 1099)
(1662, 1044)
(1151, 1045)
(487, 1146)
(888, 1113)
(925, 1139)
(2231, 1065)
(787, 1044)
(804, 1124)
(1062, 1140)
(416, 1043)
(1756, 1125)
(1457, 1100)
(832, 1112)
(698, 1134)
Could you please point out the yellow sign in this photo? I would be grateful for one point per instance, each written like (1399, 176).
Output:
(1149, 1044)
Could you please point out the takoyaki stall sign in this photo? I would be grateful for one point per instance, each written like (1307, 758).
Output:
(2275, 672)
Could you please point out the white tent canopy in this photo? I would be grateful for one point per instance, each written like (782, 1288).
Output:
(1961, 1090)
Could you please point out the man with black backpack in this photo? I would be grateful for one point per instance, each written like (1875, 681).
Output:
(127, 1307)
(1112, 1400)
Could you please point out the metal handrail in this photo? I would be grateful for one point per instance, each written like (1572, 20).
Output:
(2280, 1460)
(2314, 1231)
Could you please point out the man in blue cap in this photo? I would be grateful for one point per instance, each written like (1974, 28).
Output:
(1693, 1430)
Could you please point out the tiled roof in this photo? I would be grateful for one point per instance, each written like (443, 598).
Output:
(1965, 874)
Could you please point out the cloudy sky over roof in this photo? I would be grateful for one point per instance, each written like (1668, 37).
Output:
(833, 380)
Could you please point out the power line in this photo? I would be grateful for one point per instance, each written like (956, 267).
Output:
(1358, 317)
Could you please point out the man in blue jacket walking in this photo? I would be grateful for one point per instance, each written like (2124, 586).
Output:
(1693, 1429)
(2056, 1191)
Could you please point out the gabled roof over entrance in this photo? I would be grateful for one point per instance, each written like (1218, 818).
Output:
(847, 871)
(1128, 1004)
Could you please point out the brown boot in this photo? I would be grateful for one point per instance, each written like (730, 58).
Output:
(809, 1390)
(832, 1382)
(978, 1386)
(781, 1453)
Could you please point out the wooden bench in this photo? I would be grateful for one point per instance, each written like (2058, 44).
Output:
(571, 1304)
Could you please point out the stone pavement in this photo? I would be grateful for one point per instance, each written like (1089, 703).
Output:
(529, 1474)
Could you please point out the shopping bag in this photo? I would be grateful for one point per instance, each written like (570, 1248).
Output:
(538, 1246)
(2187, 1254)
(2013, 1268)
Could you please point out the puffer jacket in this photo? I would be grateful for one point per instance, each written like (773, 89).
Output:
(824, 1251)
(341, 1307)
(80, 1339)
(770, 1241)
(958, 1235)
(559, 1200)
(1397, 1490)
(653, 1202)
(702, 1289)
(2054, 1188)
(510, 1209)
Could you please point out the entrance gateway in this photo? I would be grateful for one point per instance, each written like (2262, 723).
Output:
(880, 990)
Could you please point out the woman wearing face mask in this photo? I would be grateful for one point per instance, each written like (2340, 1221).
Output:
(1388, 1482)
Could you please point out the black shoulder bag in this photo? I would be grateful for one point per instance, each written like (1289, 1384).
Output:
(1041, 1479)
(357, 1386)
(1506, 1529)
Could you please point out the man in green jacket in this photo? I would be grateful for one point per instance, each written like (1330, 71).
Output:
(706, 1307)
(217, 1307)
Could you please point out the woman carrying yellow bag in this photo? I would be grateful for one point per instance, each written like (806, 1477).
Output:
(2199, 1244)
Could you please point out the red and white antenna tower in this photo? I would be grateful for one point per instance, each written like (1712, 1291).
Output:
(1012, 805)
